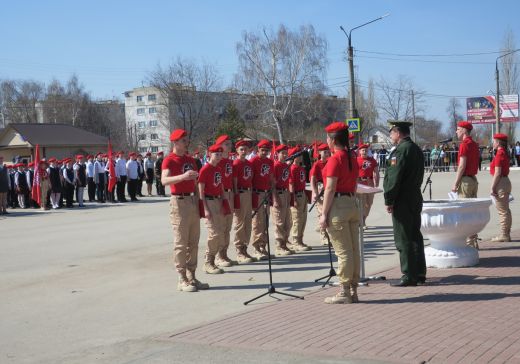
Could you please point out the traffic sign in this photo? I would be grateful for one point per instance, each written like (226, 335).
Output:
(354, 124)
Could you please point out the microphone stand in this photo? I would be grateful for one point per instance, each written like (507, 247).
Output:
(332, 272)
(270, 289)
(429, 179)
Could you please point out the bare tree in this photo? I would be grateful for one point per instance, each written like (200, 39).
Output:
(509, 75)
(366, 104)
(188, 95)
(278, 66)
(18, 101)
(395, 101)
(454, 114)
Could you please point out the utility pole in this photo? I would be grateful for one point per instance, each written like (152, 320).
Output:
(413, 115)
(497, 96)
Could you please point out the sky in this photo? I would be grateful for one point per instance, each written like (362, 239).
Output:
(113, 45)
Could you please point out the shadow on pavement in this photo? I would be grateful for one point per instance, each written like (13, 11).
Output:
(446, 297)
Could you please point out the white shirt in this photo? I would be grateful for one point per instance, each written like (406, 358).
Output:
(131, 168)
(148, 163)
(90, 169)
(120, 167)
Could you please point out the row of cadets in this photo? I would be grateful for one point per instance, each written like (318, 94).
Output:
(297, 183)
(80, 178)
(68, 182)
(316, 182)
(368, 176)
(99, 176)
(263, 185)
(179, 171)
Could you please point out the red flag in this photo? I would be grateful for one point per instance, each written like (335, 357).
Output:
(273, 150)
(112, 179)
(315, 154)
(36, 190)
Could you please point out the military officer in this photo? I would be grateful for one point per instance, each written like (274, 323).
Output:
(403, 199)
(179, 171)
(466, 184)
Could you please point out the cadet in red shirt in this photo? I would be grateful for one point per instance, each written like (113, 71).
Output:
(340, 215)
(263, 185)
(243, 182)
(501, 186)
(226, 165)
(281, 202)
(179, 171)
(297, 182)
(211, 192)
(369, 176)
(316, 180)
(466, 184)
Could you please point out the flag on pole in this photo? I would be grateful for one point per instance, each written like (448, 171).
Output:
(315, 154)
(273, 150)
(112, 179)
(36, 190)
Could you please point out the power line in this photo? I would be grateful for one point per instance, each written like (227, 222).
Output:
(430, 54)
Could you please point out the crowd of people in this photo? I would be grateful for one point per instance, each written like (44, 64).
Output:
(240, 190)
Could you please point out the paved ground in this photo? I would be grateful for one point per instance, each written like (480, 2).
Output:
(98, 285)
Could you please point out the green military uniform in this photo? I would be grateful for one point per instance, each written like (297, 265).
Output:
(402, 190)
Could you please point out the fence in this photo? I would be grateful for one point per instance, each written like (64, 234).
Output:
(440, 161)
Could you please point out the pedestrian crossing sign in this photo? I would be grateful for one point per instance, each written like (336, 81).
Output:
(354, 124)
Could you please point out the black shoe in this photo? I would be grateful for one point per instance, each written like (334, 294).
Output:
(421, 281)
(404, 284)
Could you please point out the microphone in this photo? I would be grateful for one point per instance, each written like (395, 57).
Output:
(452, 139)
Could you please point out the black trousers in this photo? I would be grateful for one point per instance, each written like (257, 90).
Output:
(100, 187)
(120, 189)
(132, 189)
(159, 187)
(91, 189)
(69, 194)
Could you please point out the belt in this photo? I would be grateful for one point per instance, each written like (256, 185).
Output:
(364, 178)
(183, 194)
(465, 175)
(259, 191)
(242, 190)
(281, 190)
(228, 190)
(338, 194)
(208, 197)
(299, 193)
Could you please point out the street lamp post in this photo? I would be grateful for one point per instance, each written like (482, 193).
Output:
(353, 111)
(497, 96)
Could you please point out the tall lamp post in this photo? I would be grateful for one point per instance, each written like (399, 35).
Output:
(353, 111)
(497, 96)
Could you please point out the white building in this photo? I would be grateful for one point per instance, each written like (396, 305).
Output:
(147, 120)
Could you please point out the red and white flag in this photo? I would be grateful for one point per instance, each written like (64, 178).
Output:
(112, 179)
(36, 190)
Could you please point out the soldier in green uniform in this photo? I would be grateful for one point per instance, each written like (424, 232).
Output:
(403, 199)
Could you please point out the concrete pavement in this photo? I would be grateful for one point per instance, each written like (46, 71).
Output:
(98, 284)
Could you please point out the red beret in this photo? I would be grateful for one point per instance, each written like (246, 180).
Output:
(465, 125)
(221, 139)
(215, 148)
(104, 155)
(177, 134)
(79, 156)
(132, 154)
(52, 160)
(264, 143)
(43, 161)
(281, 147)
(120, 153)
(241, 143)
(294, 150)
(31, 164)
(351, 136)
(17, 165)
(336, 126)
(500, 136)
(160, 153)
(323, 146)
(10, 166)
(363, 146)
(148, 154)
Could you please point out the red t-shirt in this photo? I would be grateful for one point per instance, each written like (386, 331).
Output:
(500, 160)
(297, 177)
(178, 165)
(281, 175)
(262, 170)
(212, 179)
(469, 149)
(243, 172)
(226, 165)
(317, 169)
(366, 167)
(338, 166)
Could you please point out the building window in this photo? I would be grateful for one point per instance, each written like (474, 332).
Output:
(375, 139)
(152, 110)
(141, 124)
(151, 97)
(140, 111)
(154, 136)
(142, 150)
(142, 136)
(154, 149)
(139, 98)
(153, 123)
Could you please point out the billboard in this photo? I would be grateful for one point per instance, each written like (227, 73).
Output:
(481, 110)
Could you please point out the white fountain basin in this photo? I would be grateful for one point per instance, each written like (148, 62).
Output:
(447, 224)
